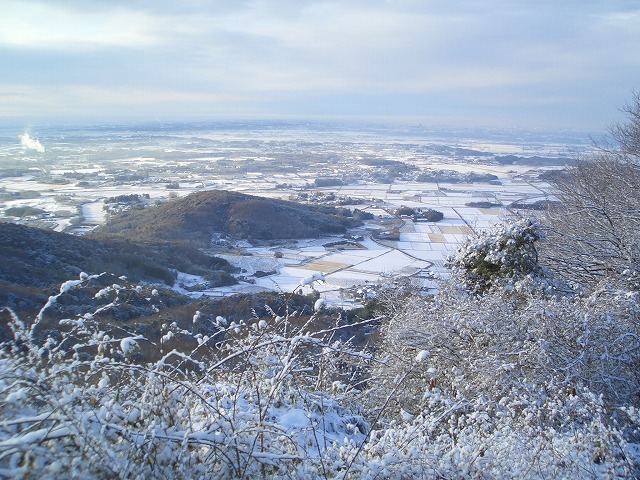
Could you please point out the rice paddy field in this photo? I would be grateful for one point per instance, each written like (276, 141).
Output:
(474, 178)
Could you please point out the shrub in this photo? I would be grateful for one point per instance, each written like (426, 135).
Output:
(506, 255)
(25, 211)
(431, 215)
(404, 211)
(259, 406)
(457, 392)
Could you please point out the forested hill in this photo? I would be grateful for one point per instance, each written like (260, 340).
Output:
(31, 257)
(196, 217)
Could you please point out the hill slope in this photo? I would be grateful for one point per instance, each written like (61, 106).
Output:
(42, 258)
(196, 217)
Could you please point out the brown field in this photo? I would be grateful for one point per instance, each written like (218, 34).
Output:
(456, 230)
(325, 266)
(490, 211)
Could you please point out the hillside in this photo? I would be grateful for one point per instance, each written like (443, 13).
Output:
(32, 257)
(196, 217)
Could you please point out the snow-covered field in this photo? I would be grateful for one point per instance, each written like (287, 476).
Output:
(93, 213)
(421, 252)
(69, 178)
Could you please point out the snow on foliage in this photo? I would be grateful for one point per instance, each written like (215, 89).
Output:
(507, 254)
(319, 304)
(517, 374)
(316, 277)
(422, 356)
(251, 411)
(129, 345)
(519, 386)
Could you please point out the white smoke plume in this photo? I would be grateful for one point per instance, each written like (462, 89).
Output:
(31, 143)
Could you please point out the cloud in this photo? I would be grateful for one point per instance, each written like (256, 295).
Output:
(122, 58)
(49, 27)
(31, 143)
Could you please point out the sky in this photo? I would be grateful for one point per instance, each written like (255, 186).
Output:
(550, 64)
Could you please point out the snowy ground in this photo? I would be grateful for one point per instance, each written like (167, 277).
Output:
(420, 253)
(51, 182)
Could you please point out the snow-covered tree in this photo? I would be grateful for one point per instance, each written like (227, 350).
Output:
(267, 401)
(504, 255)
(626, 135)
(514, 371)
(595, 231)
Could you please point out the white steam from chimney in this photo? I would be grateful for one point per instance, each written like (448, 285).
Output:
(31, 143)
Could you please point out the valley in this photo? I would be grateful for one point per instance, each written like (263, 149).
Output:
(475, 178)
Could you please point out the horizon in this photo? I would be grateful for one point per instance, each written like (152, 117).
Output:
(298, 129)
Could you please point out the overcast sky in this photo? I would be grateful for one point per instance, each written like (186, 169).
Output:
(540, 63)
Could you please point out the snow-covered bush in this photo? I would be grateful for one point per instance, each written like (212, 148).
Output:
(507, 254)
(517, 341)
(266, 403)
(459, 439)
(461, 390)
(514, 374)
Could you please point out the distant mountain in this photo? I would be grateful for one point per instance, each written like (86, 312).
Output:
(195, 218)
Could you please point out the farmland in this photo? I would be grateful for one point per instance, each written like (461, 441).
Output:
(473, 177)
